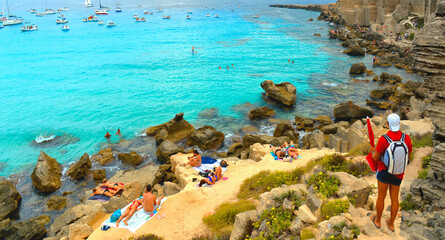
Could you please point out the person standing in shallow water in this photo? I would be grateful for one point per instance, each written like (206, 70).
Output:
(118, 132)
(107, 136)
(385, 179)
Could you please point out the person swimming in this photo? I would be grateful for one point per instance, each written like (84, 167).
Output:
(228, 68)
(219, 67)
(233, 65)
(118, 132)
(107, 136)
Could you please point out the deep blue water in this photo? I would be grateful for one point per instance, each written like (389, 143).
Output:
(93, 79)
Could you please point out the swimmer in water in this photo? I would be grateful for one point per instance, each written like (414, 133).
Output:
(107, 136)
(219, 67)
(288, 60)
(292, 61)
(118, 132)
(233, 66)
(227, 67)
(193, 49)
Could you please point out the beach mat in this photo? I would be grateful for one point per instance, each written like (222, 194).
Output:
(137, 220)
(102, 198)
(209, 167)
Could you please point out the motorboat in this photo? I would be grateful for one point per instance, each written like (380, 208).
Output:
(256, 16)
(111, 24)
(101, 23)
(33, 11)
(100, 12)
(88, 3)
(65, 9)
(61, 21)
(135, 16)
(12, 21)
(216, 16)
(39, 14)
(29, 28)
(65, 28)
(188, 17)
(118, 9)
(91, 18)
(159, 10)
(49, 11)
(141, 20)
(148, 13)
(189, 12)
(208, 15)
(166, 17)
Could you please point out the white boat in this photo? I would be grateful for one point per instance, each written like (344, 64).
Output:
(11, 19)
(29, 28)
(148, 13)
(256, 16)
(101, 23)
(118, 9)
(166, 17)
(49, 11)
(208, 15)
(59, 11)
(100, 12)
(189, 12)
(61, 21)
(216, 16)
(159, 10)
(135, 16)
(91, 18)
(39, 14)
(65, 9)
(65, 28)
(33, 11)
(188, 17)
(103, 8)
(111, 24)
(88, 3)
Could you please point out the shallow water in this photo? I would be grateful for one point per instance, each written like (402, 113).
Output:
(92, 79)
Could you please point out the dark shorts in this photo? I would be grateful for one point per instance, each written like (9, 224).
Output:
(385, 177)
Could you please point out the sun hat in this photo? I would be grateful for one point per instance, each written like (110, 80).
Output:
(394, 122)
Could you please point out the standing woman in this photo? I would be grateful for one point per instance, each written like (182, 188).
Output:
(390, 172)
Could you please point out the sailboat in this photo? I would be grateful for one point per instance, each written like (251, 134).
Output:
(118, 9)
(102, 9)
(11, 20)
(88, 3)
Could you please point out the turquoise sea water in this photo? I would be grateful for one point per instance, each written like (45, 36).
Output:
(93, 79)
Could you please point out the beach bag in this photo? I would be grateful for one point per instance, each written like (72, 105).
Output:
(115, 216)
(223, 163)
(396, 155)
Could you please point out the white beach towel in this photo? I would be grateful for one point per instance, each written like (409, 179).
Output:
(209, 167)
(138, 219)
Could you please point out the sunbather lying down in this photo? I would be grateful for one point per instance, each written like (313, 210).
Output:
(286, 151)
(112, 185)
(136, 205)
(213, 178)
(107, 192)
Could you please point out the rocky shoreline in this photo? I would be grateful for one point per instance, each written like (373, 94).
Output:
(415, 102)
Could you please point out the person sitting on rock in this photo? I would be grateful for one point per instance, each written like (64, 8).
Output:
(194, 160)
(136, 205)
(213, 178)
(107, 192)
(151, 202)
(112, 185)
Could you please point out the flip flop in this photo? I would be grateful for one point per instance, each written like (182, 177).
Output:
(373, 221)
(392, 230)
(225, 178)
(105, 227)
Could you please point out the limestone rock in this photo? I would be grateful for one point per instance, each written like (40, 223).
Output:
(261, 112)
(206, 138)
(103, 157)
(323, 120)
(284, 93)
(353, 187)
(32, 229)
(357, 68)
(47, 173)
(285, 129)
(355, 51)
(314, 139)
(267, 199)
(79, 231)
(288, 205)
(166, 149)
(132, 158)
(382, 93)
(296, 227)
(420, 128)
(99, 174)
(174, 130)
(304, 123)
(313, 202)
(250, 139)
(79, 169)
(56, 203)
(332, 128)
(306, 215)
(243, 224)
(171, 188)
(10, 199)
(235, 150)
(379, 105)
(350, 111)
(257, 151)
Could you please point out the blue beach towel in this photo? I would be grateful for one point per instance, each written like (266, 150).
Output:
(208, 160)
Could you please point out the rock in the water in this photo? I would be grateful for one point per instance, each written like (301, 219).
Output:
(99, 174)
(355, 51)
(306, 215)
(174, 130)
(284, 93)
(132, 158)
(235, 150)
(166, 149)
(10, 199)
(285, 129)
(261, 112)
(382, 93)
(56, 203)
(47, 173)
(380, 105)
(349, 111)
(32, 229)
(250, 139)
(357, 68)
(79, 169)
(243, 224)
(103, 157)
(206, 138)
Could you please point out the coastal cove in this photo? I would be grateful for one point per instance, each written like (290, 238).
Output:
(94, 80)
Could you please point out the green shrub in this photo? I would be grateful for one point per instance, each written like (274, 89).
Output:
(334, 208)
(407, 25)
(324, 184)
(266, 180)
(146, 237)
(358, 169)
(426, 162)
(334, 162)
(291, 196)
(225, 214)
(426, 141)
(360, 150)
(411, 36)
(408, 203)
(277, 221)
(306, 233)
(422, 173)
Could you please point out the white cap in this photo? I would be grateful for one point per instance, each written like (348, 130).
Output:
(394, 122)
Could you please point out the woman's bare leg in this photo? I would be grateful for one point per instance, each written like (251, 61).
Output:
(380, 204)
(122, 216)
(394, 195)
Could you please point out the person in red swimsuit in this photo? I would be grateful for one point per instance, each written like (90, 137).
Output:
(386, 180)
(136, 205)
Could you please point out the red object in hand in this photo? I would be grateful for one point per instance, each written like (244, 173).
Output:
(371, 162)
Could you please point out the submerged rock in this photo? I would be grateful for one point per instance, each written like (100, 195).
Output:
(283, 93)
(357, 68)
(10, 200)
(47, 173)
(79, 169)
(206, 138)
(261, 112)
